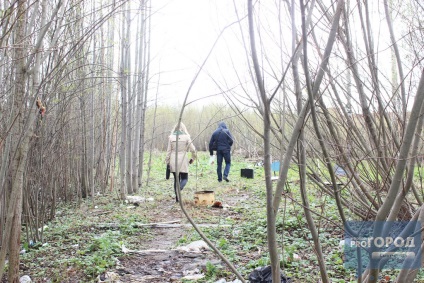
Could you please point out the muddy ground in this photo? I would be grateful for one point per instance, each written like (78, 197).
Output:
(158, 259)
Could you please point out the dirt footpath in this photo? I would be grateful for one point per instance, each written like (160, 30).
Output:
(158, 259)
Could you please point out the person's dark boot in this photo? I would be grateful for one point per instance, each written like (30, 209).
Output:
(226, 179)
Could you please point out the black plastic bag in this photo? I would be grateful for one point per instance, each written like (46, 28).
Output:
(168, 172)
(264, 275)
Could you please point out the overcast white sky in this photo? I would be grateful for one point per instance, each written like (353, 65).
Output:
(183, 33)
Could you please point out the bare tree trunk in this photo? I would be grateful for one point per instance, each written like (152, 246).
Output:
(302, 158)
(152, 139)
(396, 184)
(139, 96)
(144, 85)
(101, 171)
(124, 112)
(130, 107)
(84, 154)
(408, 274)
(266, 113)
(15, 213)
(21, 135)
(4, 196)
(110, 124)
(92, 114)
(114, 148)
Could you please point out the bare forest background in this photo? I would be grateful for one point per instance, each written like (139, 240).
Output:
(84, 104)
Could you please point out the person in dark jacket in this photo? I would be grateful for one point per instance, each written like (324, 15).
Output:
(224, 140)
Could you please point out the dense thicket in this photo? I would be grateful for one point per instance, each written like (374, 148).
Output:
(323, 84)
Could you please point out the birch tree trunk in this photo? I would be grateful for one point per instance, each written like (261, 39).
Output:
(130, 105)
(92, 113)
(124, 112)
(145, 87)
(140, 98)
(110, 130)
(104, 98)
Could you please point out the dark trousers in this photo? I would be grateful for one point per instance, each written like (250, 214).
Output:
(226, 156)
(183, 179)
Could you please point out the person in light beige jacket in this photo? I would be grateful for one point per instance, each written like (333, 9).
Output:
(181, 161)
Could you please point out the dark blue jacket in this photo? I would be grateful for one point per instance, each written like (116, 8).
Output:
(223, 136)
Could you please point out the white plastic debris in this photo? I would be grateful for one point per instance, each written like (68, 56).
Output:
(193, 274)
(196, 247)
(194, 277)
(25, 279)
(236, 232)
(45, 227)
(296, 257)
(118, 263)
(137, 199)
(125, 250)
(110, 277)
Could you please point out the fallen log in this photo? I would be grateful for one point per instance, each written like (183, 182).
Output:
(143, 252)
(186, 225)
(170, 224)
(193, 248)
(136, 224)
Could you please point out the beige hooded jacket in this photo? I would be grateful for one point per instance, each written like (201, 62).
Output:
(184, 144)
